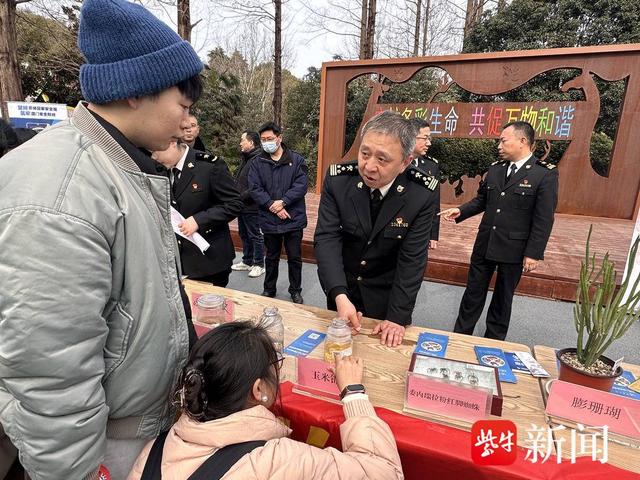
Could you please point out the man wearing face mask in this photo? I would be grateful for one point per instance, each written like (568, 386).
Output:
(278, 183)
(374, 221)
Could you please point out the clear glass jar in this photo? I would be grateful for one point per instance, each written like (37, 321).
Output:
(211, 309)
(338, 340)
(271, 320)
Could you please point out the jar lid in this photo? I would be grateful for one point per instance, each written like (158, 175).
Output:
(338, 322)
(210, 300)
(271, 311)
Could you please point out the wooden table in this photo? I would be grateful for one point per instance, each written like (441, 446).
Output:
(385, 368)
(622, 456)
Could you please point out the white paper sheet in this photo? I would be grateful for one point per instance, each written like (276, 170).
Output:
(196, 238)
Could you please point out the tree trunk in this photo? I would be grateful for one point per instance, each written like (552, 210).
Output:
(479, 6)
(184, 20)
(277, 64)
(425, 27)
(10, 86)
(468, 20)
(416, 33)
(363, 30)
(474, 11)
(371, 28)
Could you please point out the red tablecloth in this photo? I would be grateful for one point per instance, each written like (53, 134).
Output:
(430, 450)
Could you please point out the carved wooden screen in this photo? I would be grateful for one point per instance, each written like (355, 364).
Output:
(582, 190)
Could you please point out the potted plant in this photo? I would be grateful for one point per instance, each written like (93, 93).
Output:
(602, 315)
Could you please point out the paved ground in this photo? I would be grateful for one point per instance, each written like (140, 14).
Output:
(533, 322)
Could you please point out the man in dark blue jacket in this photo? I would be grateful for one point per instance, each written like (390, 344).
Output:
(248, 220)
(278, 183)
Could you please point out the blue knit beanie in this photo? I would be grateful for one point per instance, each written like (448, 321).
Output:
(129, 52)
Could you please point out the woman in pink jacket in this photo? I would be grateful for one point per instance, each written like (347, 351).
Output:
(230, 382)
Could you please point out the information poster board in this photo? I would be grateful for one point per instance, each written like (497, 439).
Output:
(36, 116)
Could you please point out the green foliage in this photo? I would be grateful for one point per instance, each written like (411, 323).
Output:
(462, 156)
(418, 89)
(217, 112)
(537, 24)
(601, 314)
(601, 147)
(358, 92)
(49, 57)
(302, 118)
(238, 97)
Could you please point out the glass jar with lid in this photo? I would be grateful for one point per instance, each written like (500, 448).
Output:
(338, 341)
(211, 309)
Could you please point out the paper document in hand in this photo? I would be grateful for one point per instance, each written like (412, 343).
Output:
(196, 238)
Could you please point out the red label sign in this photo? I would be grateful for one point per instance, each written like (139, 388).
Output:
(315, 374)
(594, 408)
(434, 396)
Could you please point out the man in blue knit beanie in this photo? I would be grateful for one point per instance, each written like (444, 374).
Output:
(94, 329)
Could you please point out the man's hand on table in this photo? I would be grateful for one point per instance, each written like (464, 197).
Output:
(391, 334)
(348, 311)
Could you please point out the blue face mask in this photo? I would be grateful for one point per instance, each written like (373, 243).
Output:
(270, 147)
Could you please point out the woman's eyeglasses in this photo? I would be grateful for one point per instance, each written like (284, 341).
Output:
(279, 362)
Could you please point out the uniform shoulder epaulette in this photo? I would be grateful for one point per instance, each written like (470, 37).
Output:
(346, 168)
(433, 159)
(428, 181)
(548, 165)
(497, 162)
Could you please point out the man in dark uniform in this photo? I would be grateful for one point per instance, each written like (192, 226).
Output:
(518, 198)
(374, 220)
(428, 165)
(204, 192)
(191, 134)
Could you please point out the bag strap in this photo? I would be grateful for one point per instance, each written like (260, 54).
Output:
(218, 464)
(152, 468)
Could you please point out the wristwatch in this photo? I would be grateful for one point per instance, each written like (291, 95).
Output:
(349, 389)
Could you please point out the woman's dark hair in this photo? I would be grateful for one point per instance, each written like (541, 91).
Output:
(222, 368)
(253, 137)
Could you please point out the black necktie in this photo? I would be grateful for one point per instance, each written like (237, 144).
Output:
(175, 176)
(511, 171)
(376, 203)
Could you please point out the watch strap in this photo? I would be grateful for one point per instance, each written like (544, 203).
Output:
(350, 389)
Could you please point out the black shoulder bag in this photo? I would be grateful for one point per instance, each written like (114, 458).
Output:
(213, 468)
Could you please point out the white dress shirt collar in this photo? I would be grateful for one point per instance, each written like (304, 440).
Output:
(384, 190)
(519, 163)
(180, 164)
